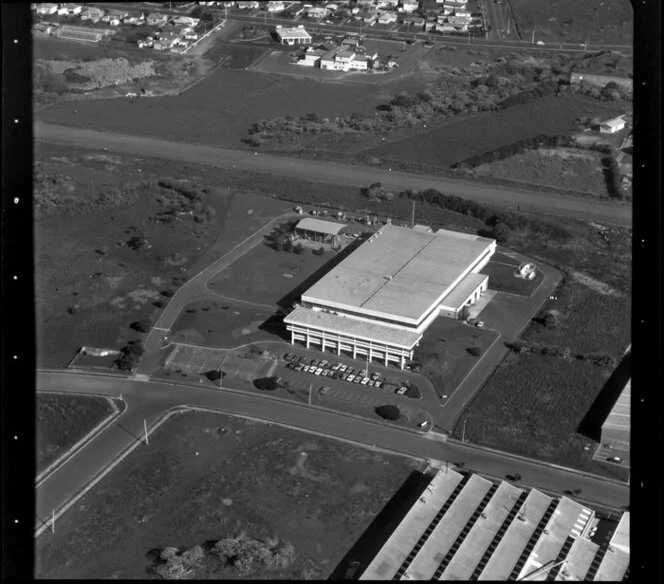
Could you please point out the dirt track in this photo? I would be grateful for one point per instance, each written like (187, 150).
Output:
(332, 172)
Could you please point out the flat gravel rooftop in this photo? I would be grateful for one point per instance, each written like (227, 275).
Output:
(399, 272)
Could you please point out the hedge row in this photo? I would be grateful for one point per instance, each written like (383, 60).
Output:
(523, 346)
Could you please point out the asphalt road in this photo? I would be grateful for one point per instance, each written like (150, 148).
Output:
(149, 400)
(336, 173)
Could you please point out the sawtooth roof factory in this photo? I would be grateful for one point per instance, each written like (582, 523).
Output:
(465, 527)
(378, 302)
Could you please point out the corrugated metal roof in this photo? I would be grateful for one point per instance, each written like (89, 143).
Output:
(320, 226)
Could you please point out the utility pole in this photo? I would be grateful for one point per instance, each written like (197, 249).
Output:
(221, 371)
(412, 218)
(508, 27)
(366, 371)
(310, 389)
(145, 428)
(463, 431)
(53, 521)
(533, 40)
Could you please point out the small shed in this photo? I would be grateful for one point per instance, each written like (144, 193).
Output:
(612, 126)
(319, 230)
(423, 228)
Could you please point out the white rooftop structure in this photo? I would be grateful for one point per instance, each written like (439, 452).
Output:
(465, 527)
(320, 226)
(396, 264)
(293, 35)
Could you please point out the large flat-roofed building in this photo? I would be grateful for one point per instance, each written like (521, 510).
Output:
(294, 35)
(617, 426)
(465, 527)
(378, 302)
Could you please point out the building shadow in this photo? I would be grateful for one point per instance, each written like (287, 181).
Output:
(591, 424)
(355, 562)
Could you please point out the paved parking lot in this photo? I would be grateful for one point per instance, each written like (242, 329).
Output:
(604, 453)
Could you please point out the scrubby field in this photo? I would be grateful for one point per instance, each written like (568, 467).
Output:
(458, 140)
(604, 21)
(215, 110)
(574, 170)
(62, 421)
(111, 245)
(206, 477)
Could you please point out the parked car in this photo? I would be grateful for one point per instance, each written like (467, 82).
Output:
(343, 368)
(345, 376)
(298, 367)
(479, 324)
(318, 371)
(614, 459)
(324, 363)
(302, 359)
(364, 380)
(336, 366)
(351, 370)
(350, 378)
(401, 390)
(358, 379)
(379, 384)
(375, 376)
(323, 390)
(370, 383)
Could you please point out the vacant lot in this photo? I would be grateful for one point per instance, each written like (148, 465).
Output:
(605, 22)
(103, 263)
(444, 352)
(215, 110)
(223, 324)
(502, 279)
(532, 405)
(456, 141)
(62, 421)
(578, 171)
(207, 477)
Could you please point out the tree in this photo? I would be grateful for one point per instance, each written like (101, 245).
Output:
(213, 375)
(320, 251)
(267, 383)
(388, 412)
(501, 233)
(130, 355)
(298, 249)
(141, 326)
(287, 245)
(474, 351)
(549, 319)
(464, 313)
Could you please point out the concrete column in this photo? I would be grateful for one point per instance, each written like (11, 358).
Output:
(307, 341)
(402, 362)
(322, 342)
(292, 337)
(354, 349)
(385, 356)
(338, 345)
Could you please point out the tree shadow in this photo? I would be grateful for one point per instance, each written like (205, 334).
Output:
(372, 540)
(591, 424)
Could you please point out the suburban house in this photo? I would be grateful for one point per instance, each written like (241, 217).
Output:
(312, 57)
(186, 20)
(253, 5)
(409, 5)
(156, 19)
(317, 11)
(612, 126)
(275, 7)
(92, 13)
(66, 9)
(343, 60)
(387, 18)
(47, 8)
(296, 35)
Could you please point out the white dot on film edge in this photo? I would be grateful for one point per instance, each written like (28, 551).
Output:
(15, 277)
(16, 120)
(16, 199)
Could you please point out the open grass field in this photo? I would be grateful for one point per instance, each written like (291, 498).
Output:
(579, 171)
(502, 279)
(444, 352)
(267, 276)
(215, 110)
(604, 21)
(533, 405)
(223, 324)
(208, 476)
(456, 141)
(62, 420)
(90, 284)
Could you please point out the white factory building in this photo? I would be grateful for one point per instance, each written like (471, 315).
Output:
(378, 301)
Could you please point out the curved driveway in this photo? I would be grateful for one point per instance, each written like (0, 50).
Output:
(150, 400)
(336, 173)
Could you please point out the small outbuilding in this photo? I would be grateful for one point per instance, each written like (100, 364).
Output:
(319, 230)
(612, 126)
(296, 35)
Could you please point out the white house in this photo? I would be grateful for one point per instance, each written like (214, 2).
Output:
(253, 5)
(92, 13)
(612, 126)
(296, 35)
(409, 5)
(312, 57)
(47, 8)
(316, 11)
(186, 20)
(275, 7)
(387, 18)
